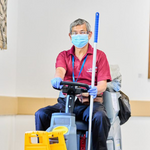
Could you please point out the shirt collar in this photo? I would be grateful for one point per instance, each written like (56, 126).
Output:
(90, 50)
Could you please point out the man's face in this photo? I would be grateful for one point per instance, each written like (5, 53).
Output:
(80, 29)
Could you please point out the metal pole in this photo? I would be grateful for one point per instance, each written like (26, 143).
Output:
(93, 77)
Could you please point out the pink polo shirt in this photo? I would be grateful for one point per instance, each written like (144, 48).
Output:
(102, 70)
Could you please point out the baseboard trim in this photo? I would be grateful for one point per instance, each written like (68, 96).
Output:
(8, 105)
(140, 108)
(29, 105)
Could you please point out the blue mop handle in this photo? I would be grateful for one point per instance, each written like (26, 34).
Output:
(96, 27)
(93, 77)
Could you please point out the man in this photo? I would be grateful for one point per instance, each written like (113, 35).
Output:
(76, 65)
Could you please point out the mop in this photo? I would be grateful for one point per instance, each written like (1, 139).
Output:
(93, 76)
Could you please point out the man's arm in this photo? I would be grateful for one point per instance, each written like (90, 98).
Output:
(101, 87)
(60, 72)
(59, 76)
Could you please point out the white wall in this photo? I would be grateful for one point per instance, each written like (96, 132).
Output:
(43, 27)
(8, 62)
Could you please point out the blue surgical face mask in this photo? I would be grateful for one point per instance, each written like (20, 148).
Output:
(80, 40)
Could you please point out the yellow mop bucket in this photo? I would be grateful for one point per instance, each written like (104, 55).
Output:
(54, 139)
(43, 140)
(46, 140)
(60, 145)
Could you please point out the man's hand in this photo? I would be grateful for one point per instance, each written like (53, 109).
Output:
(56, 83)
(93, 91)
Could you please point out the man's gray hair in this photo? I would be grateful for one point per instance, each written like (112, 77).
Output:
(80, 22)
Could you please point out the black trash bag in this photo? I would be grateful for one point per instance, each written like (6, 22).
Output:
(125, 110)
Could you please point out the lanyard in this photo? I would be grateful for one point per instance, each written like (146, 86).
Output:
(73, 77)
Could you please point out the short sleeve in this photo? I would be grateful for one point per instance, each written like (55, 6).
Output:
(103, 70)
(61, 60)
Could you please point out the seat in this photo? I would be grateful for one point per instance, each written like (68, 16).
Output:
(110, 100)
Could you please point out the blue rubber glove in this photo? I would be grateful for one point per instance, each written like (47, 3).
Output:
(116, 85)
(56, 83)
(93, 91)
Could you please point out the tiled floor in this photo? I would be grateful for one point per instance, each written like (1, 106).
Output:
(135, 133)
